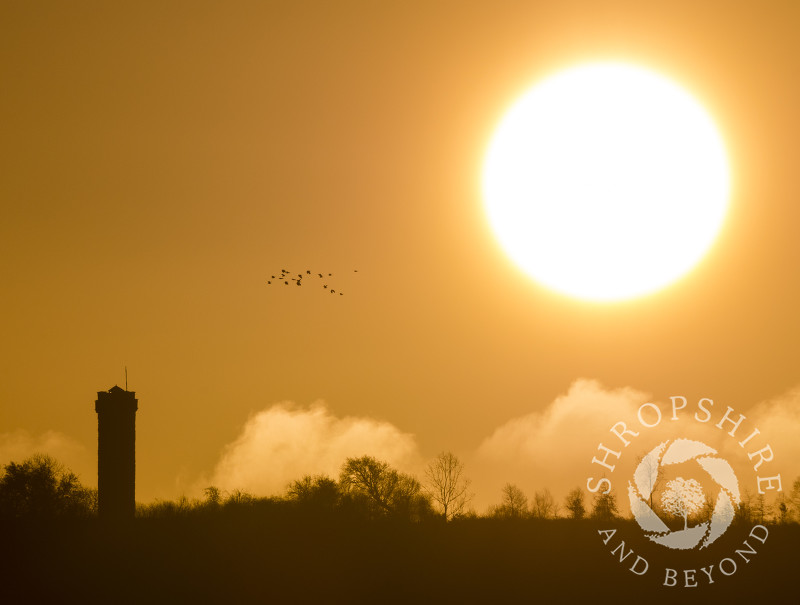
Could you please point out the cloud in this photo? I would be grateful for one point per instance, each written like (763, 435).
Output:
(778, 419)
(284, 442)
(16, 446)
(552, 447)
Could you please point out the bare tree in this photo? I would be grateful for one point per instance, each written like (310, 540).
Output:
(682, 498)
(372, 478)
(781, 509)
(213, 496)
(707, 510)
(604, 506)
(514, 504)
(446, 484)
(543, 505)
(794, 501)
(760, 508)
(387, 490)
(744, 512)
(653, 477)
(575, 504)
(239, 497)
(318, 491)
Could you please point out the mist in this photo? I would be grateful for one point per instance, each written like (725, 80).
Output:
(18, 445)
(285, 441)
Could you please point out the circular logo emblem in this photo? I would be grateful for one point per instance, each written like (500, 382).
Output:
(682, 497)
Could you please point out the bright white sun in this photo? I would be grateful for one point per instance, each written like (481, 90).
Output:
(606, 181)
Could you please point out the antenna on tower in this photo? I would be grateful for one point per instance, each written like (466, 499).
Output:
(126, 378)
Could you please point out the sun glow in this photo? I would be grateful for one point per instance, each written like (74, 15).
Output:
(606, 182)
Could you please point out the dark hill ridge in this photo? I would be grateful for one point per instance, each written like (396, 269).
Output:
(278, 554)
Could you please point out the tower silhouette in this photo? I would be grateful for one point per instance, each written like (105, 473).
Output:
(116, 453)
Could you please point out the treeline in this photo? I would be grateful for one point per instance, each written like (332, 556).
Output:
(372, 534)
(366, 488)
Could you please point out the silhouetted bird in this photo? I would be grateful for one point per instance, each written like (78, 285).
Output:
(286, 277)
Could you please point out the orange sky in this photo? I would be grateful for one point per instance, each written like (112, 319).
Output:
(161, 161)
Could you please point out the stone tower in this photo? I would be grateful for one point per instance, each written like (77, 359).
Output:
(116, 453)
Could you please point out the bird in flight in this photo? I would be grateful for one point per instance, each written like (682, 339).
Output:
(310, 277)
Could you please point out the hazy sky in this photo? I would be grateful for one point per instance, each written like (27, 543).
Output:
(161, 160)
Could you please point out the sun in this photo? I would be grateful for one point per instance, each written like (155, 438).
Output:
(606, 181)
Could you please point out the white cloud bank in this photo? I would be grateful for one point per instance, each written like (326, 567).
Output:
(554, 447)
(284, 442)
(778, 419)
(548, 448)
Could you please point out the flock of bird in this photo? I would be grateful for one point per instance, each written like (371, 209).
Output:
(285, 277)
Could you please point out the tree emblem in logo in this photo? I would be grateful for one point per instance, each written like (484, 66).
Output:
(683, 497)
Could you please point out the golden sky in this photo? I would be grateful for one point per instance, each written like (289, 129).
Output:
(161, 160)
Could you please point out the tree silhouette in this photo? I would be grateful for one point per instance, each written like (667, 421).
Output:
(575, 504)
(761, 509)
(319, 492)
(40, 486)
(744, 512)
(781, 509)
(213, 496)
(683, 497)
(387, 491)
(794, 500)
(514, 503)
(707, 510)
(447, 485)
(604, 506)
(239, 497)
(653, 477)
(543, 505)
